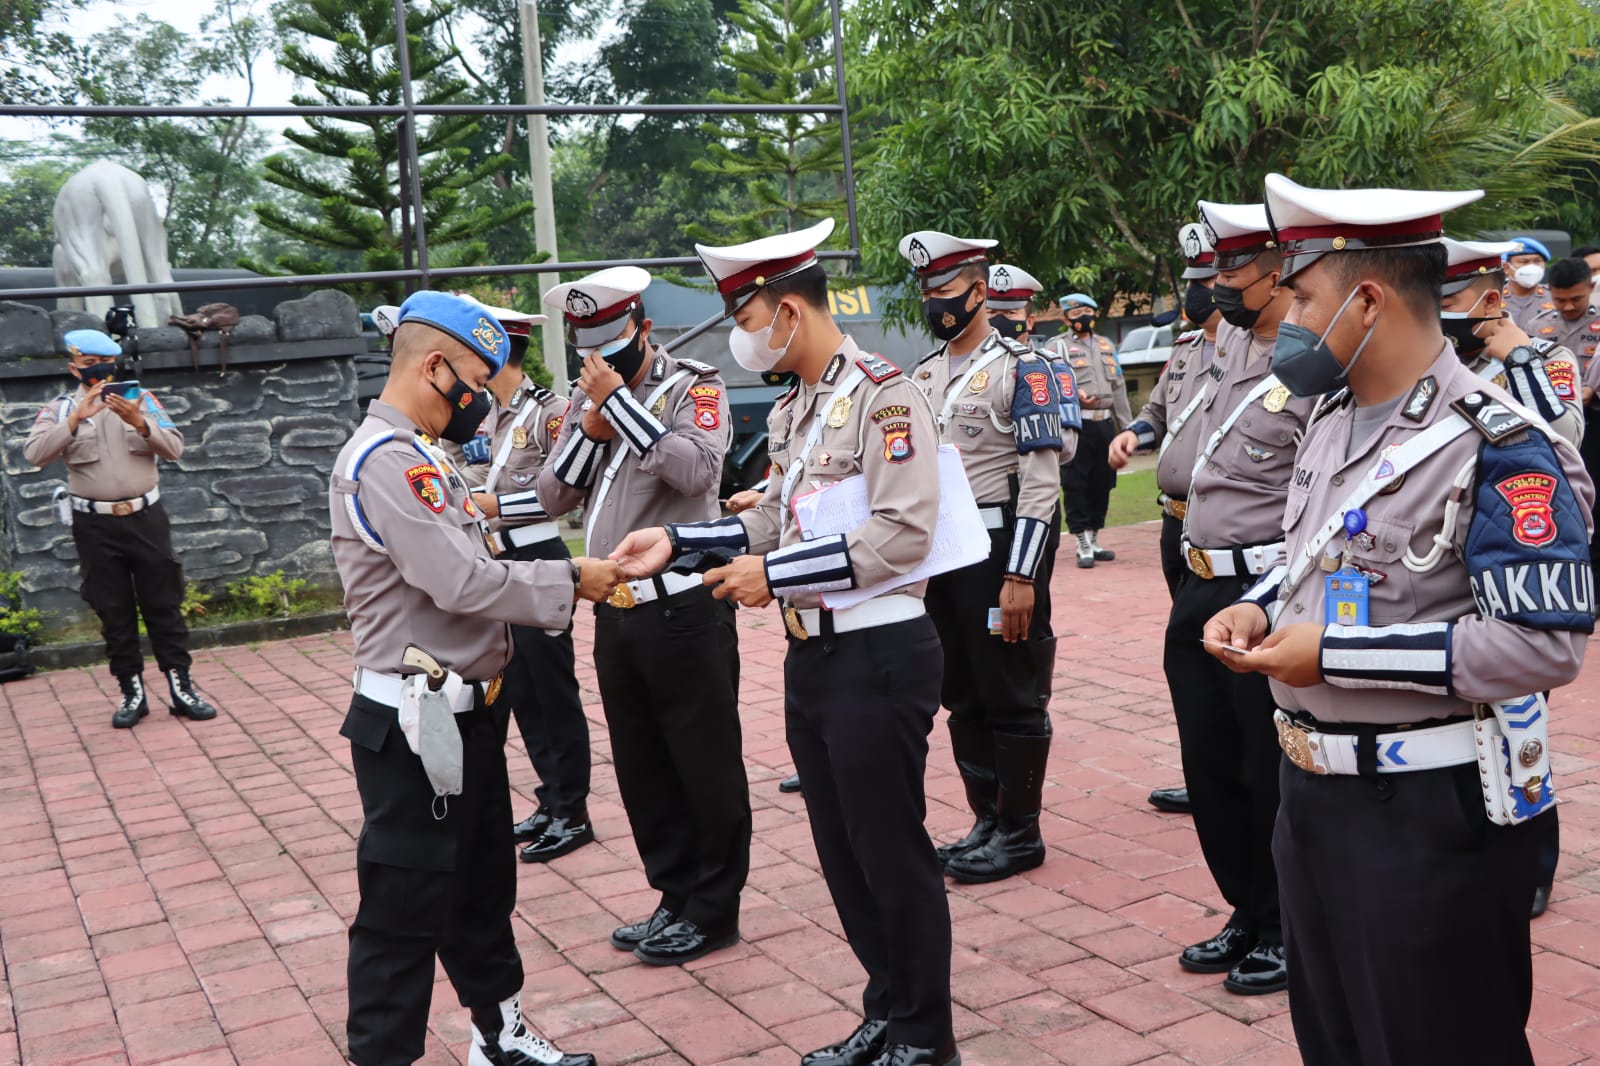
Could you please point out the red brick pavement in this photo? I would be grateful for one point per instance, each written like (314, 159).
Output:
(180, 893)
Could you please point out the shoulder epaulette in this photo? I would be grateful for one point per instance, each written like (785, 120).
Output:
(1542, 346)
(1016, 347)
(1193, 334)
(1332, 401)
(697, 367)
(540, 394)
(877, 368)
(1494, 420)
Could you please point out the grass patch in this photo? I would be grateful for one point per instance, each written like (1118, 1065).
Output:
(1134, 499)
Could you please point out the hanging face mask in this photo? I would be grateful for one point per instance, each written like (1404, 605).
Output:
(625, 354)
(1528, 276)
(1010, 328)
(1462, 328)
(96, 373)
(1230, 301)
(753, 350)
(1304, 362)
(1198, 304)
(949, 315)
(468, 409)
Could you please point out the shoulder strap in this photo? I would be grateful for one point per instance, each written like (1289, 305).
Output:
(1262, 387)
(350, 484)
(534, 405)
(797, 461)
(961, 384)
(610, 474)
(1176, 425)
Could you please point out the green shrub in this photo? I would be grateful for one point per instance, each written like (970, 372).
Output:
(268, 595)
(15, 618)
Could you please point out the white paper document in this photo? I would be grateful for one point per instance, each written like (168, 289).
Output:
(959, 539)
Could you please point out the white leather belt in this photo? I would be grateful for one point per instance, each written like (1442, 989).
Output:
(119, 508)
(506, 539)
(650, 589)
(385, 689)
(993, 515)
(1096, 415)
(1399, 752)
(882, 611)
(1208, 563)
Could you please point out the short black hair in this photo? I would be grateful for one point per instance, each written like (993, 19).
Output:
(1585, 249)
(1415, 273)
(1568, 273)
(809, 285)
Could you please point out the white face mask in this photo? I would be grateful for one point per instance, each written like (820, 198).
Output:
(752, 349)
(1528, 276)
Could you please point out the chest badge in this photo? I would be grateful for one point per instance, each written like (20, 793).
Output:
(971, 431)
(824, 458)
(980, 381)
(1277, 398)
(519, 437)
(839, 413)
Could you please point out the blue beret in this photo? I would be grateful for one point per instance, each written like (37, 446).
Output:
(1528, 245)
(466, 320)
(1082, 299)
(90, 342)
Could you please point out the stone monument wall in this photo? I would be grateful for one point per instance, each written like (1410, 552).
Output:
(249, 495)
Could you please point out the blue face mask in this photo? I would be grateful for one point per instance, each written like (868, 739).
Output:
(1304, 362)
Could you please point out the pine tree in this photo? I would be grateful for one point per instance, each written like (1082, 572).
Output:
(792, 163)
(349, 168)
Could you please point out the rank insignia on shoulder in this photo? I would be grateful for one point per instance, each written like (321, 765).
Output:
(877, 368)
(1193, 334)
(1541, 346)
(1494, 420)
(1420, 400)
(697, 367)
(1329, 402)
(830, 375)
(658, 368)
(540, 394)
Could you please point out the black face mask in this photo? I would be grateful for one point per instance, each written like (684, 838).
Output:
(96, 373)
(628, 360)
(1081, 324)
(948, 316)
(1198, 303)
(468, 409)
(1011, 328)
(1230, 301)
(1459, 330)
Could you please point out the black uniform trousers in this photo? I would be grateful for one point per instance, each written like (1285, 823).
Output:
(129, 569)
(1406, 919)
(1174, 567)
(669, 680)
(986, 680)
(1087, 481)
(858, 708)
(429, 886)
(541, 688)
(1230, 756)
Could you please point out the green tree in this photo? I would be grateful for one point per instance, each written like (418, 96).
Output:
(792, 164)
(346, 48)
(27, 196)
(1081, 135)
(40, 61)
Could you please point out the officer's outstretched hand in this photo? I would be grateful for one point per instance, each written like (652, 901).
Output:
(1121, 449)
(1292, 655)
(1016, 609)
(643, 552)
(744, 581)
(743, 501)
(488, 503)
(1240, 626)
(130, 411)
(597, 577)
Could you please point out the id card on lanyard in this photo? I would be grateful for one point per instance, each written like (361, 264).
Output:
(1345, 592)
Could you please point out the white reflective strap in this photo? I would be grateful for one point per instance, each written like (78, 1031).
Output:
(1262, 387)
(504, 451)
(797, 462)
(615, 465)
(956, 389)
(1176, 425)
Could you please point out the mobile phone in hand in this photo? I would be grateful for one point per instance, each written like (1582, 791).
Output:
(128, 390)
(1223, 647)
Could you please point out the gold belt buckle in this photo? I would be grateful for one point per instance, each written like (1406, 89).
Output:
(122, 508)
(492, 539)
(792, 622)
(621, 596)
(1200, 564)
(491, 688)
(1180, 509)
(1295, 740)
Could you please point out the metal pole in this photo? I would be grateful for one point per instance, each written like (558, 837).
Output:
(405, 198)
(408, 143)
(844, 129)
(544, 205)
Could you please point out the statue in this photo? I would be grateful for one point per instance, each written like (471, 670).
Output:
(107, 233)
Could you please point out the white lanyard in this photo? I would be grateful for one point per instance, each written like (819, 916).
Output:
(506, 445)
(797, 463)
(1264, 386)
(616, 460)
(955, 390)
(1386, 471)
(1176, 425)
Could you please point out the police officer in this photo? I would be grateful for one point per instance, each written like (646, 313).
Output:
(1570, 317)
(111, 434)
(642, 444)
(1087, 481)
(1010, 306)
(1418, 745)
(434, 861)
(1525, 294)
(1168, 420)
(1249, 426)
(860, 683)
(998, 401)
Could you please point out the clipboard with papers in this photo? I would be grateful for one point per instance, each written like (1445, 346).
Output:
(959, 538)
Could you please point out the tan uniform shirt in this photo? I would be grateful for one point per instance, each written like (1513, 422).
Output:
(1578, 337)
(671, 449)
(106, 458)
(1236, 499)
(1459, 655)
(1183, 378)
(410, 550)
(531, 422)
(1525, 310)
(1102, 389)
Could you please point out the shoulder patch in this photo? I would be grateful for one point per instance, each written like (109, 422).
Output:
(707, 413)
(1494, 420)
(877, 368)
(697, 367)
(427, 485)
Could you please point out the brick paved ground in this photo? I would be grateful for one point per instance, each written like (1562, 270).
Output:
(180, 893)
